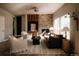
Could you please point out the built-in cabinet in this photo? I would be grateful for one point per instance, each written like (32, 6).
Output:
(32, 22)
(66, 45)
(77, 43)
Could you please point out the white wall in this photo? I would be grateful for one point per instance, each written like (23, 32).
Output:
(8, 22)
(26, 22)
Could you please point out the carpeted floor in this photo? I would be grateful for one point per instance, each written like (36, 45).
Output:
(39, 50)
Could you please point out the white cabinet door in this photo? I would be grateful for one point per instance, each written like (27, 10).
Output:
(2, 28)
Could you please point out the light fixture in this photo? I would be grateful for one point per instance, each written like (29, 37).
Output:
(51, 28)
(35, 9)
(74, 15)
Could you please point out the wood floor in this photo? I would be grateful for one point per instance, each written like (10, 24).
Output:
(40, 50)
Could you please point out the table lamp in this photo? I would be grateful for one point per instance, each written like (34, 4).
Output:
(65, 29)
(51, 29)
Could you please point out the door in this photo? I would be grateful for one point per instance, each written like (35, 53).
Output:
(2, 28)
(19, 25)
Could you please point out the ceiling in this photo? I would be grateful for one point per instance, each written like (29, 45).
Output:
(28, 8)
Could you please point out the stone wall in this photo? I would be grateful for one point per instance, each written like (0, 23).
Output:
(8, 22)
(45, 21)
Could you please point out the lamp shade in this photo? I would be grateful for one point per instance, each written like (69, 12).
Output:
(65, 29)
(51, 28)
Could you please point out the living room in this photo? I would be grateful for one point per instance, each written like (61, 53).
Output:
(22, 22)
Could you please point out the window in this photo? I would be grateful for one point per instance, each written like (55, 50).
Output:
(60, 23)
(56, 26)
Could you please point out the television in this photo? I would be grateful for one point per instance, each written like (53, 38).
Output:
(47, 30)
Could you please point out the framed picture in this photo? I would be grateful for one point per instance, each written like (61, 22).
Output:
(32, 26)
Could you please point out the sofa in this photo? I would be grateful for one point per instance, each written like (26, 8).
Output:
(54, 42)
(19, 44)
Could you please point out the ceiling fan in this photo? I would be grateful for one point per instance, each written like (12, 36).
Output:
(35, 9)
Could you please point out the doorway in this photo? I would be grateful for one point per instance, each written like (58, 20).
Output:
(17, 25)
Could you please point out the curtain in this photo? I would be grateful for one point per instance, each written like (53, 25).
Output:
(60, 23)
(56, 26)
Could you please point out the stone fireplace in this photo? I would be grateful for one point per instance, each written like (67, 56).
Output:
(45, 22)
